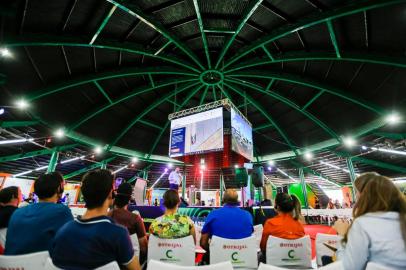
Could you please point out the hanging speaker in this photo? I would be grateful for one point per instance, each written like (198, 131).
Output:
(257, 176)
(241, 176)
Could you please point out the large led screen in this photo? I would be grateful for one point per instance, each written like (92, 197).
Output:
(197, 133)
(241, 135)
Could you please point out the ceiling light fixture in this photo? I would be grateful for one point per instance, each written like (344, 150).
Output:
(1, 111)
(4, 52)
(397, 152)
(22, 104)
(349, 141)
(16, 141)
(60, 133)
(98, 150)
(308, 155)
(285, 174)
(393, 118)
(120, 169)
(134, 159)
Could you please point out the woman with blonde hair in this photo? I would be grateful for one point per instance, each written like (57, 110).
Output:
(378, 232)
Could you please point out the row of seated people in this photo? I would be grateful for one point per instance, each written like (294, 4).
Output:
(377, 234)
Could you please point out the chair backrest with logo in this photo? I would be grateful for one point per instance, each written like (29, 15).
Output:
(136, 244)
(376, 266)
(49, 265)
(283, 252)
(155, 265)
(180, 251)
(258, 229)
(323, 241)
(30, 261)
(241, 252)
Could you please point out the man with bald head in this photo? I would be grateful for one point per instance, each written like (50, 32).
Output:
(229, 222)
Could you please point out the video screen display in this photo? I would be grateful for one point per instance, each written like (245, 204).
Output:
(197, 133)
(241, 136)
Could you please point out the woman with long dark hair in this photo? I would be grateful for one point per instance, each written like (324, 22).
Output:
(378, 232)
(285, 224)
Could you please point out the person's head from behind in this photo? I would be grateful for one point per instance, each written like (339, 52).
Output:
(230, 196)
(177, 169)
(171, 199)
(123, 195)
(49, 187)
(97, 188)
(284, 203)
(377, 193)
(10, 196)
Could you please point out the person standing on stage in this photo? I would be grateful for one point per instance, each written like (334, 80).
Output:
(175, 179)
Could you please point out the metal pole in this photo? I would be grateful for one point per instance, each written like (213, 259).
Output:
(221, 187)
(304, 190)
(352, 176)
(53, 162)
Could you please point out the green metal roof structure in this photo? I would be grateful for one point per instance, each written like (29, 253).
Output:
(306, 73)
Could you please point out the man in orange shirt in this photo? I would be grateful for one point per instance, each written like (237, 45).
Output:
(283, 225)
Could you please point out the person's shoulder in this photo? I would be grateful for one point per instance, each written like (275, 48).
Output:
(58, 208)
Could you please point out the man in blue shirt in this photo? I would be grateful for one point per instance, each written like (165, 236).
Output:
(229, 222)
(31, 228)
(94, 240)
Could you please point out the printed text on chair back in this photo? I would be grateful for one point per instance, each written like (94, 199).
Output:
(180, 251)
(241, 252)
(283, 252)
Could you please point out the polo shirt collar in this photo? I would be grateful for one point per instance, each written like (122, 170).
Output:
(99, 219)
(232, 204)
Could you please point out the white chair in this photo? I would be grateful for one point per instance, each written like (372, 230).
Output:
(155, 265)
(263, 266)
(322, 250)
(49, 265)
(376, 266)
(3, 234)
(30, 261)
(241, 252)
(136, 244)
(180, 251)
(258, 229)
(333, 266)
(289, 253)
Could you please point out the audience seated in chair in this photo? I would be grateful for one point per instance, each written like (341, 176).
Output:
(10, 198)
(172, 224)
(228, 222)
(283, 225)
(32, 228)
(378, 232)
(94, 239)
(131, 221)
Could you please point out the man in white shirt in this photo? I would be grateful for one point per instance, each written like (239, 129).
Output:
(175, 179)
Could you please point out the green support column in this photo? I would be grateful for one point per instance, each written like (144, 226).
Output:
(104, 165)
(221, 187)
(53, 162)
(352, 176)
(303, 184)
